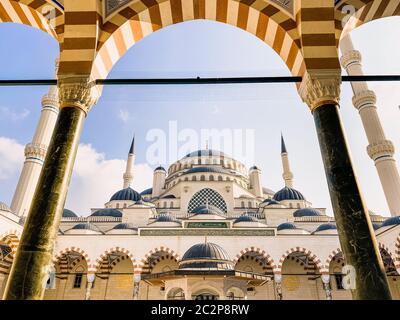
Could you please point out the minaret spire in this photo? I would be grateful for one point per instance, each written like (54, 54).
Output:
(287, 174)
(128, 175)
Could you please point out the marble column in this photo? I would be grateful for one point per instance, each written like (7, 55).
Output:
(89, 285)
(136, 284)
(321, 92)
(278, 287)
(380, 149)
(34, 254)
(326, 282)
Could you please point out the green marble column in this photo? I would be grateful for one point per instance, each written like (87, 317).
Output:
(29, 272)
(356, 235)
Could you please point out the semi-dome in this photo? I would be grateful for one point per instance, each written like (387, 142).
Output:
(126, 194)
(288, 194)
(125, 226)
(326, 226)
(391, 221)
(86, 226)
(69, 214)
(146, 192)
(207, 209)
(286, 226)
(245, 217)
(307, 212)
(206, 256)
(107, 212)
(207, 169)
(206, 152)
(4, 207)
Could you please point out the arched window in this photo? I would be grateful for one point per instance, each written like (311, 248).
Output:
(125, 205)
(250, 206)
(171, 205)
(202, 178)
(194, 178)
(117, 205)
(207, 196)
(242, 204)
(186, 179)
(211, 178)
(219, 178)
(165, 204)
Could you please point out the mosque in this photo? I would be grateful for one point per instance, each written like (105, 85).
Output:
(206, 229)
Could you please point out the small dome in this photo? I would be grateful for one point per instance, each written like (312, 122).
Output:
(4, 207)
(69, 214)
(326, 226)
(208, 152)
(391, 221)
(107, 212)
(160, 168)
(206, 256)
(207, 169)
(126, 194)
(245, 217)
(307, 212)
(125, 226)
(288, 194)
(169, 196)
(146, 192)
(207, 209)
(166, 217)
(286, 226)
(270, 202)
(86, 226)
(254, 168)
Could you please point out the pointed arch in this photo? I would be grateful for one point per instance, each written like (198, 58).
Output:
(136, 21)
(260, 255)
(111, 257)
(39, 14)
(207, 195)
(319, 266)
(351, 14)
(69, 258)
(156, 255)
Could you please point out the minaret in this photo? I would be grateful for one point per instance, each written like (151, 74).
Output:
(255, 181)
(380, 149)
(128, 175)
(287, 174)
(35, 153)
(159, 177)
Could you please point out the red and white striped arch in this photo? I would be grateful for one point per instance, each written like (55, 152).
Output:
(261, 252)
(102, 261)
(34, 13)
(141, 19)
(320, 267)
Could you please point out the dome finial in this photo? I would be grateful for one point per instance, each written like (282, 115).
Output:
(132, 148)
(283, 145)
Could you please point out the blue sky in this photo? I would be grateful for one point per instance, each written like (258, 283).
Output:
(191, 49)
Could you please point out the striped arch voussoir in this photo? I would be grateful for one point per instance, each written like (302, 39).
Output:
(266, 256)
(139, 19)
(171, 252)
(331, 256)
(39, 14)
(69, 250)
(11, 238)
(397, 254)
(103, 257)
(351, 14)
(312, 256)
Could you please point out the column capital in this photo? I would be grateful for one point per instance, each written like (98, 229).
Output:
(79, 92)
(350, 57)
(380, 149)
(35, 151)
(50, 100)
(366, 98)
(319, 88)
(326, 278)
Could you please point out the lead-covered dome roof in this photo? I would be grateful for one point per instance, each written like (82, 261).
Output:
(391, 221)
(326, 226)
(286, 226)
(207, 209)
(205, 152)
(207, 169)
(307, 212)
(86, 226)
(206, 256)
(288, 194)
(69, 214)
(245, 217)
(107, 212)
(126, 194)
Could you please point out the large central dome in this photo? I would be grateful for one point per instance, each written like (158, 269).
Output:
(205, 153)
(206, 256)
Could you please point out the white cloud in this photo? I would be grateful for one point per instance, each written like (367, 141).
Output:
(96, 178)
(13, 115)
(11, 157)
